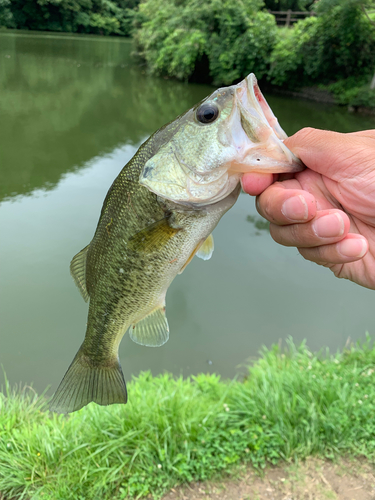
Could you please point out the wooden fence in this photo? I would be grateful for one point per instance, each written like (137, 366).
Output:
(288, 17)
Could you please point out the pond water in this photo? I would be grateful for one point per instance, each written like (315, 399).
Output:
(73, 111)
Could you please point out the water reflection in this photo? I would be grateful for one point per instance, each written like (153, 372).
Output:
(259, 223)
(67, 99)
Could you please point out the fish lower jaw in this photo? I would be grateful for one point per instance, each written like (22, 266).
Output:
(210, 195)
(265, 159)
(195, 195)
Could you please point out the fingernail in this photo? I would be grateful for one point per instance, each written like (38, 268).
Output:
(329, 226)
(353, 247)
(295, 208)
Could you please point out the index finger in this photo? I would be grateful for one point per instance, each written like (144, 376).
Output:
(255, 183)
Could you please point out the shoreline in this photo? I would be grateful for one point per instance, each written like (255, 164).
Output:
(317, 95)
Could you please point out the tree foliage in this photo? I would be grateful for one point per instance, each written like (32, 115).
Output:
(106, 17)
(223, 38)
(336, 45)
(221, 41)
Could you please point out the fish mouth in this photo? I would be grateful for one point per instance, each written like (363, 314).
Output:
(264, 149)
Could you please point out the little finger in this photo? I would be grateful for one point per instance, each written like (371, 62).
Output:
(350, 249)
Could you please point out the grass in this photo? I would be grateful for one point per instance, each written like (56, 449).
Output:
(291, 405)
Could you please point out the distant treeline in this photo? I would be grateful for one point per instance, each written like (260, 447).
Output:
(224, 40)
(101, 17)
(221, 41)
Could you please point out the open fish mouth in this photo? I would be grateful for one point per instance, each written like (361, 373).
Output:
(264, 151)
(231, 132)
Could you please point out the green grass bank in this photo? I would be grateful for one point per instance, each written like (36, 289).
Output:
(292, 404)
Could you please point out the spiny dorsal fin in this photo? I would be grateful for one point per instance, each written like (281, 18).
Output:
(154, 237)
(84, 382)
(207, 249)
(78, 272)
(151, 331)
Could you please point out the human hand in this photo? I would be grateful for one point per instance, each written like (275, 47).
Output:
(328, 210)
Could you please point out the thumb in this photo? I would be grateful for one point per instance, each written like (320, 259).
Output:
(333, 154)
(318, 149)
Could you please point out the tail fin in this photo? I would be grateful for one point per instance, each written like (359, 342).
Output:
(84, 383)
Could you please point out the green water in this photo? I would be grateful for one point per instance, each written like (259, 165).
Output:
(73, 111)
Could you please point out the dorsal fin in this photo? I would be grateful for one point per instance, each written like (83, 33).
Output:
(152, 330)
(78, 272)
(206, 249)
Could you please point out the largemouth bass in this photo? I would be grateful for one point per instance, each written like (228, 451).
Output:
(159, 213)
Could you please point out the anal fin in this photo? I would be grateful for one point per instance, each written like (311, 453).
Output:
(152, 330)
(78, 272)
(206, 249)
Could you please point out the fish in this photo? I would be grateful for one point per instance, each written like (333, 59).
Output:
(158, 214)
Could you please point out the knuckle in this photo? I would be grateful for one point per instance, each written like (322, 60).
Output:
(295, 235)
(313, 254)
(305, 133)
(305, 254)
(275, 233)
(262, 206)
(287, 236)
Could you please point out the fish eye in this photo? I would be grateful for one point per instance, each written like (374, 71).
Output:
(207, 112)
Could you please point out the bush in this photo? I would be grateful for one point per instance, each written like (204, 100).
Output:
(338, 44)
(365, 97)
(288, 56)
(224, 39)
(353, 91)
(6, 16)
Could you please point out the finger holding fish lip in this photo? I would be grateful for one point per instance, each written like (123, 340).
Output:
(255, 183)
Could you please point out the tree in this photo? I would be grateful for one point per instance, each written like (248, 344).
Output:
(338, 44)
(106, 17)
(219, 39)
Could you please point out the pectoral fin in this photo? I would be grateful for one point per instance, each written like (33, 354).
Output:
(153, 237)
(206, 249)
(202, 250)
(78, 272)
(190, 258)
(151, 331)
